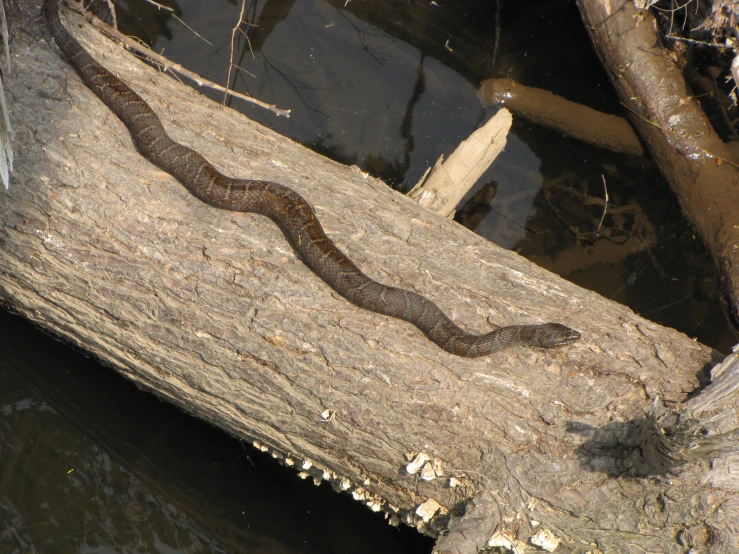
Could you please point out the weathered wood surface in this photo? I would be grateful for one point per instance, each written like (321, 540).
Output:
(444, 185)
(212, 311)
(672, 124)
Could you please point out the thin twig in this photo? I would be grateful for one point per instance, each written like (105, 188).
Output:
(605, 203)
(160, 6)
(170, 65)
(233, 39)
(700, 42)
(245, 70)
(248, 40)
(679, 136)
(497, 39)
(194, 32)
(673, 10)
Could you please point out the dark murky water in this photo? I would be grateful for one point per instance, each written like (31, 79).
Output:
(90, 464)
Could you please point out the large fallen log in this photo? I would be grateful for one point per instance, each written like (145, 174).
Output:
(212, 311)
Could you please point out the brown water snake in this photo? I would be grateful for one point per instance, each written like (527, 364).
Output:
(292, 214)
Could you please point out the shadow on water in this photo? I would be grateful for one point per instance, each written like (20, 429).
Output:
(88, 463)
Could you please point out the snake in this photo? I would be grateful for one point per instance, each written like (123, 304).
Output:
(294, 216)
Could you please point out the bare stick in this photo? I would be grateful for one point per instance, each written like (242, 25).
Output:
(194, 32)
(605, 203)
(233, 38)
(160, 6)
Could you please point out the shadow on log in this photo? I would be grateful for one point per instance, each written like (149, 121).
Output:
(212, 311)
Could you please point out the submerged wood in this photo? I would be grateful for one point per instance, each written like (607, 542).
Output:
(212, 311)
(563, 116)
(671, 122)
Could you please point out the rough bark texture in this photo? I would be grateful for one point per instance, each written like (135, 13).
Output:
(687, 149)
(212, 311)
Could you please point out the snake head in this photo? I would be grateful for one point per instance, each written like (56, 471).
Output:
(550, 335)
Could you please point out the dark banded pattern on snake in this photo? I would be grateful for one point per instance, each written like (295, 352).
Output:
(292, 214)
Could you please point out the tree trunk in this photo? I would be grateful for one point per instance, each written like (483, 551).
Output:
(672, 123)
(212, 311)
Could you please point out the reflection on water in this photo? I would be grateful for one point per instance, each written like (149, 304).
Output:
(357, 93)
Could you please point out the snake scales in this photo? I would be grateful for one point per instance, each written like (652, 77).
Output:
(293, 215)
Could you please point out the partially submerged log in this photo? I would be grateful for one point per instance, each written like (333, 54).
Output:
(212, 311)
(563, 116)
(691, 155)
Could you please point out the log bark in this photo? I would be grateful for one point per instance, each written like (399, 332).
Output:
(669, 119)
(212, 311)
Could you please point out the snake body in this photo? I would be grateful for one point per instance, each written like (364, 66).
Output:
(292, 214)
